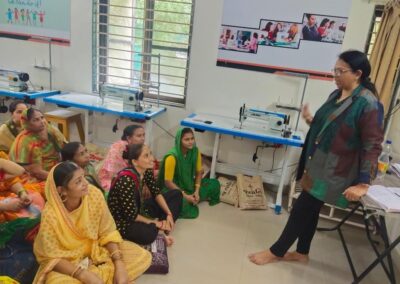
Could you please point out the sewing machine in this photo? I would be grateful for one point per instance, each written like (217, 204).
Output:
(14, 80)
(130, 97)
(277, 121)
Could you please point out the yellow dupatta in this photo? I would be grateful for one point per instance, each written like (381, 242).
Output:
(75, 235)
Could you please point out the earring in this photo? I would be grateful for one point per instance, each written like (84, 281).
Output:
(63, 198)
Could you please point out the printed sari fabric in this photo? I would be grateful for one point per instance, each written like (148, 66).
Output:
(7, 196)
(29, 148)
(23, 219)
(8, 132)
(81, 235)
(184, 173)
(112, 164)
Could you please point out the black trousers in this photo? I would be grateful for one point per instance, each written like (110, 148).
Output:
(144, 234)
(301, 226)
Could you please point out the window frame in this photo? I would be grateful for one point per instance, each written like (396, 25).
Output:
(101, 56)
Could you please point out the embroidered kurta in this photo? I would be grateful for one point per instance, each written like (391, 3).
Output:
(124, 199)
(347, 151)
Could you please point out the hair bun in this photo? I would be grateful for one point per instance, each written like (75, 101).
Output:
(125, 155)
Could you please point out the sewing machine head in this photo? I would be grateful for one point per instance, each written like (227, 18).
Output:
(277, 121)
(14, 80)
(130, 97)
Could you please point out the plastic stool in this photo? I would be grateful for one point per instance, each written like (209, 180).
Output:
(63, 118)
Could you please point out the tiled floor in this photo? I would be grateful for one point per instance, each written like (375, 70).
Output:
(213, 249)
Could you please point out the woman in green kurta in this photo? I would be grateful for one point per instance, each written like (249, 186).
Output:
(181, 169)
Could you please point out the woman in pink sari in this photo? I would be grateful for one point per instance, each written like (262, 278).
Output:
(113, 163)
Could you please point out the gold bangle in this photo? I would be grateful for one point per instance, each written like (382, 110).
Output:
(79, 272)
(75, 271)
(116, 255)
(19, 192)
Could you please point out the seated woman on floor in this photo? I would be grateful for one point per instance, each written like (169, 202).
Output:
(12, 127)
(16, 200)
(181, 169)
(113, 163)
(37, 148)
(126, 202)
(77, 153)
(78, 241)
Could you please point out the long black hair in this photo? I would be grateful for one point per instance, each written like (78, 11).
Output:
(69, 150)
(358, 60)
(13, 105)
(132, 152)
(30, 112)
(64, 172)
(129, 131)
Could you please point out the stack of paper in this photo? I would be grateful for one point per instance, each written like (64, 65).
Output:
(387, 198)
(395, 168)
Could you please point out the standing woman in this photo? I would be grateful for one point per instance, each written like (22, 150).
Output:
(12, 127)
(37, 148)
(339, 157)
(136, 217)
(113, 163)
(78, 241)
(181, 169)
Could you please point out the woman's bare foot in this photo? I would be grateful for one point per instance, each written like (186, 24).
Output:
(263, 257)
(169, 240)
(295, 256)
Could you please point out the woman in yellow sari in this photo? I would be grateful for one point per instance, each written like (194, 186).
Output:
(78, 240)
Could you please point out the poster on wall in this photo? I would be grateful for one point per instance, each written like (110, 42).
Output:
(300, 36)
(37, 20)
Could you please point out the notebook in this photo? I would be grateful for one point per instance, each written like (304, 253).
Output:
(386, 198)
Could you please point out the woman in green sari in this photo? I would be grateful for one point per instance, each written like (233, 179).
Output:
(181, 169)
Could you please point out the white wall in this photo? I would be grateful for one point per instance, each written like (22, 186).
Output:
(210, 88)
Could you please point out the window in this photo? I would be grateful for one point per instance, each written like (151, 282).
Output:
(376, 21)
(143, 44)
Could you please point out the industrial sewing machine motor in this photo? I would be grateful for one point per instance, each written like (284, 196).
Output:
(277, 121)
(130, 97)
(14, 80)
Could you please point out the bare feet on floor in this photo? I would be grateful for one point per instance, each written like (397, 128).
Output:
(169, 240)
(263, 257)
(295, 256)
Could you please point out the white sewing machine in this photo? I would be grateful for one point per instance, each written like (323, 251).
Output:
(277, 121)
(130, 97)
(14, 80)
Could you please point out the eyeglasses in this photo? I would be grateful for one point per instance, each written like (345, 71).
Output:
(339, 72)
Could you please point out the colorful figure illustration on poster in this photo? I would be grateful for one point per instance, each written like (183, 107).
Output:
(16, 16)
(41, 17)
(28, 17)
(34, 16)
(9, 16)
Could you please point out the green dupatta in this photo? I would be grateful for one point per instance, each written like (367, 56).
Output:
(185, 168)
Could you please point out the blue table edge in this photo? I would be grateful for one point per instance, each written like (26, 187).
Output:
(136, 115)
(208, 127)
(29, 95)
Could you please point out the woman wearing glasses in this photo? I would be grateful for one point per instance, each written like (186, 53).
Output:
(339, 157)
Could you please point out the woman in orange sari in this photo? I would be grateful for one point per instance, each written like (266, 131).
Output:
(37, 148)
(16, 201)
(78, 240)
